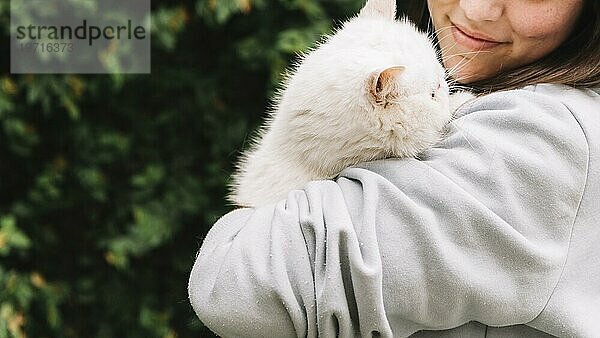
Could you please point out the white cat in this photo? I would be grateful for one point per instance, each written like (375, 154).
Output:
(375, 89)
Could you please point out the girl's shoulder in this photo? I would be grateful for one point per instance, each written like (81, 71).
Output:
(577, 98)
(583, 103)
(551, 92)
(543, 99)
(566, 93)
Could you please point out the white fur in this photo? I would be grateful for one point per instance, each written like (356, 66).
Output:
(325, 119)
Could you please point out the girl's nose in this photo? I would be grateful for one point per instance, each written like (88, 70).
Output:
(482, 10)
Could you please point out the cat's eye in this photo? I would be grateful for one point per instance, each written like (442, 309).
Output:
(434, 92)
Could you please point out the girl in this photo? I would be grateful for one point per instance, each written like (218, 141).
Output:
(493, 232)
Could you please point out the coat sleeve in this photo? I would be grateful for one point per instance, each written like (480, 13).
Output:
(476, 229)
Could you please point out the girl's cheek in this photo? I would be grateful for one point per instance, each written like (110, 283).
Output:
(554, 19)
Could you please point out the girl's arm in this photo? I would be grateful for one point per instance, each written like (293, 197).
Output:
(477, 229)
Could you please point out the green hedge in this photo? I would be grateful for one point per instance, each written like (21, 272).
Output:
(108, 183)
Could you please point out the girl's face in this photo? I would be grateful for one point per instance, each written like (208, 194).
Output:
(480, 38)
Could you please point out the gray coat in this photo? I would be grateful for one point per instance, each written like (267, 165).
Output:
(495, 231)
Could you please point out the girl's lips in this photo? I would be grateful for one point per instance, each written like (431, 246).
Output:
(471, 42)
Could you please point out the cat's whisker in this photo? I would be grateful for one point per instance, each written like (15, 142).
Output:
(465, 134)
(474, 52)
(443, 39)
(461, 133)
(444, 51)
(459, 87)
(457, 68)
(435, 37)
(452, 81)
(441, 51)
(501, 67)
(438, 40)
(456, 82)
(466, 53)
(441, 29)
(460, 79)
(437, 34)
(428, 26)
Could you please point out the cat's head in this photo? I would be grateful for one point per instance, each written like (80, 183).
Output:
(375, 76)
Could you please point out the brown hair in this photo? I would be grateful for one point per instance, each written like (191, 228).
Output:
(575, 63)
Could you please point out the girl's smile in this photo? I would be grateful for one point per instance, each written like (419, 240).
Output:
(495, 35)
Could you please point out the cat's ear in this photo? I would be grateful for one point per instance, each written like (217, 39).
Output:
(385, 9)
(383, 85)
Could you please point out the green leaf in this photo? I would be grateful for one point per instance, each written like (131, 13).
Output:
(11, 237)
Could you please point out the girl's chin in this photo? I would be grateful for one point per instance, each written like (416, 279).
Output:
(463, 73)
(465, 78)
(460, 75)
